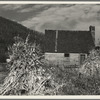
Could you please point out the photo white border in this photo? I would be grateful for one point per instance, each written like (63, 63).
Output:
(50, 2)
(51, 97)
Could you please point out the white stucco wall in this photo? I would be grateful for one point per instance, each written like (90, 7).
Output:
(59, 59)
(74, 58)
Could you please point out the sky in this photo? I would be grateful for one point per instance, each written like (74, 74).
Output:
(54, 16)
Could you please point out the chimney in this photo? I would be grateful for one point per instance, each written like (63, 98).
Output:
(92, 30)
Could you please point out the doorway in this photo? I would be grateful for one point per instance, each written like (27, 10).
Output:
(82, 58)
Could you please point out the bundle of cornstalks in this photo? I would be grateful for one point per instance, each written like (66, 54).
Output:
(91, 66)
(27, 75)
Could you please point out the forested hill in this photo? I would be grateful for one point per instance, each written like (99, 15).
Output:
(10, 29)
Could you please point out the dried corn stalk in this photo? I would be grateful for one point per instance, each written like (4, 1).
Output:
(27, 74)
(91, 66)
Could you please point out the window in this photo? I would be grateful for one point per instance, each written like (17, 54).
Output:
(66, 55)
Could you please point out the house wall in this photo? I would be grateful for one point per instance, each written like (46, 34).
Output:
(74, 58)
(59, 59)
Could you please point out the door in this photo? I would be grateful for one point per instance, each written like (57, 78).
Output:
(82, 58)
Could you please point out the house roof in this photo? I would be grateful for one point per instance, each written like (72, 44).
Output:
(69, 41)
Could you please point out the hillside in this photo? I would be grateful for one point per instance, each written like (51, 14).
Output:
(9, 29)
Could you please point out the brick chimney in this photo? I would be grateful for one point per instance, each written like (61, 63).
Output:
(92, 30)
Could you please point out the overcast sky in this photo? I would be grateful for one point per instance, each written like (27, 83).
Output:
(64, 16)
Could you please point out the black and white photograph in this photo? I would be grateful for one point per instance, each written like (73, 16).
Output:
(49, 49)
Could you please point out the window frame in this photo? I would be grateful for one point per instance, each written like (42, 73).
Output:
(66, 55)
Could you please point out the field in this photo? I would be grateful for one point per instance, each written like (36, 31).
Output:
(76, 83)
(61, 75)
(73, 82)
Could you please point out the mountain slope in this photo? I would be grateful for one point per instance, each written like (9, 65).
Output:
(10, 29)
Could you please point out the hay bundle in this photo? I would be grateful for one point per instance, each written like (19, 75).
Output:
(91, 66)
(27, 75)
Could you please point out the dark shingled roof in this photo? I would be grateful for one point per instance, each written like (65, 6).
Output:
(69, 41)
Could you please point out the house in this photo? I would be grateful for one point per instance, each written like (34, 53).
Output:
(68, 47)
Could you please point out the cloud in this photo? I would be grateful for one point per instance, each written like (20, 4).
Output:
(12, 6)
(54, 17)
(32, 8)
(36, 7)
(74, 17)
